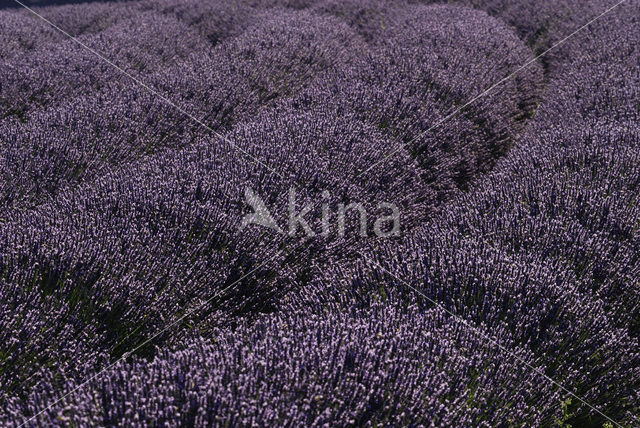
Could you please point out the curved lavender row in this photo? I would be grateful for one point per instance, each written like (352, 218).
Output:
(279, 55)
(143, 244)
(385, 365)
(471, 52)
(597, 84)
(547, 247)
(370, 18)
(408, 83)
(215, 20)
(123, 257)
(47, 76)
(556, 220)
(21, 32)
(82, 138)
(541, 24)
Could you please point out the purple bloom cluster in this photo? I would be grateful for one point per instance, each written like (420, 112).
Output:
(514, 280)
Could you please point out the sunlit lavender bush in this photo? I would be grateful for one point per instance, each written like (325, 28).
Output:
(130, 294)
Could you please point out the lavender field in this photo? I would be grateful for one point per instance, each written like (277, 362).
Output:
(320, 213)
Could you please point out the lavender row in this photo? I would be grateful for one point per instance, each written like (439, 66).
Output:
(414, 84)
(547, 247)
(23, 32)
(385, 365)
(83, 137)
(46, 77)
(215, 20)
(142, 245)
